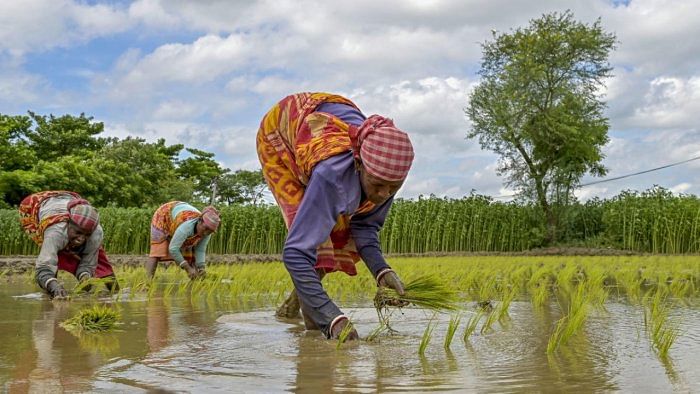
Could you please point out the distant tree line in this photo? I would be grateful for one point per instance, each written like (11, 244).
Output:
(67, 153)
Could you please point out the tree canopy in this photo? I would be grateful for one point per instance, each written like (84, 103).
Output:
(67, 153)
(538, 106)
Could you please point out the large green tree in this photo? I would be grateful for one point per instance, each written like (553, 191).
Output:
(539, 107)
(51, 153)
(242, 187)
(202, 170)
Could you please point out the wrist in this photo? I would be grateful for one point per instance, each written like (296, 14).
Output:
(84, 275)
(381, 274)
(335, 321)
(48, 282)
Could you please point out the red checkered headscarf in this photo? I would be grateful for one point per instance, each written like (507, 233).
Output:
(83, 215)
(386, 152)
(210, 218)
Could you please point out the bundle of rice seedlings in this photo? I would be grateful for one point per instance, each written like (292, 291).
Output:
(94, 319)
(425, 292)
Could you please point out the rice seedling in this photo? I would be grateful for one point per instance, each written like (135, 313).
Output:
(93, 319)
(572, 322)
(376, 332)
(662, 331)
(540, 293)
(508, 297)
(452, 329)
(427, 336)
(344, 334)
(471, 325)
(491, 318)
(487, 289)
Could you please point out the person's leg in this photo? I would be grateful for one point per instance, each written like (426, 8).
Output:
(158, 252)
(290, 307)
(308, 322)
(105, 272)
(151, 265)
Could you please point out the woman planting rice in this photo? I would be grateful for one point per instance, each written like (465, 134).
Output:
(68, 231)
(334, 173)
(180, 232)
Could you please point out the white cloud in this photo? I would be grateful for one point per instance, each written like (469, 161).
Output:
(37, 25)
(681, 187)
(18, 89)
(670, 102)
(176, 109)
(413, 61)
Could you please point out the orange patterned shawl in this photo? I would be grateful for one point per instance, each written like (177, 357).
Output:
(163, 226)
(292, 139)
(29, 214)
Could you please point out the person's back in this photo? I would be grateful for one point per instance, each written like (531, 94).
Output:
(67, 230)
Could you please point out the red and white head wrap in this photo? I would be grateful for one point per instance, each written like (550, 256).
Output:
(386, 152)
(83, 215)
(210, 218)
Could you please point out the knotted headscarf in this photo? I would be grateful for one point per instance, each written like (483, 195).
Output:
(211, 218)
(83, 215)
(386, 152)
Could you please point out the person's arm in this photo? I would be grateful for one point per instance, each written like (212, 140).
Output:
(46, 266)
(184, 231)
(365, 233)
(88, 259)
(312, 225)
(200, 251)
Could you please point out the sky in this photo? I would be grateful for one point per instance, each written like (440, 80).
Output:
(203, 73)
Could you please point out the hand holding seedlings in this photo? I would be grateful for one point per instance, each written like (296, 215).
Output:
(342, 329)
(191, 271)
(84, 284)
(56, 291)
(389, 278)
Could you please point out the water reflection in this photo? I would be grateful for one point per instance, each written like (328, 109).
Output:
(185, 345)
(54, 363)
(157, 324)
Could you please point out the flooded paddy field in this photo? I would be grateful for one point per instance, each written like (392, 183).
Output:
(555, 323)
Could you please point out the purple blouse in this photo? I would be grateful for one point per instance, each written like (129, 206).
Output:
(333, 189)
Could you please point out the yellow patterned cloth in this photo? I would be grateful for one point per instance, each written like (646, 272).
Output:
(291, 140)
(163, 226)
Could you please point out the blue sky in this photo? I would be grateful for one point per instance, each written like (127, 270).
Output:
(203, 73)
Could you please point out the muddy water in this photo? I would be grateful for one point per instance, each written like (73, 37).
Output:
(198, 346)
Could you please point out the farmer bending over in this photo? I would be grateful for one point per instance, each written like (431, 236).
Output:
(333, 173)
(68, 231)
(181, 233)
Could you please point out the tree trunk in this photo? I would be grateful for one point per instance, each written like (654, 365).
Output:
(551, 235)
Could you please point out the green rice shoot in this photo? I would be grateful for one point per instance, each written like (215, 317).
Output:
(344, 333)
(472, 323)
(452, 329)
(427, 336)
